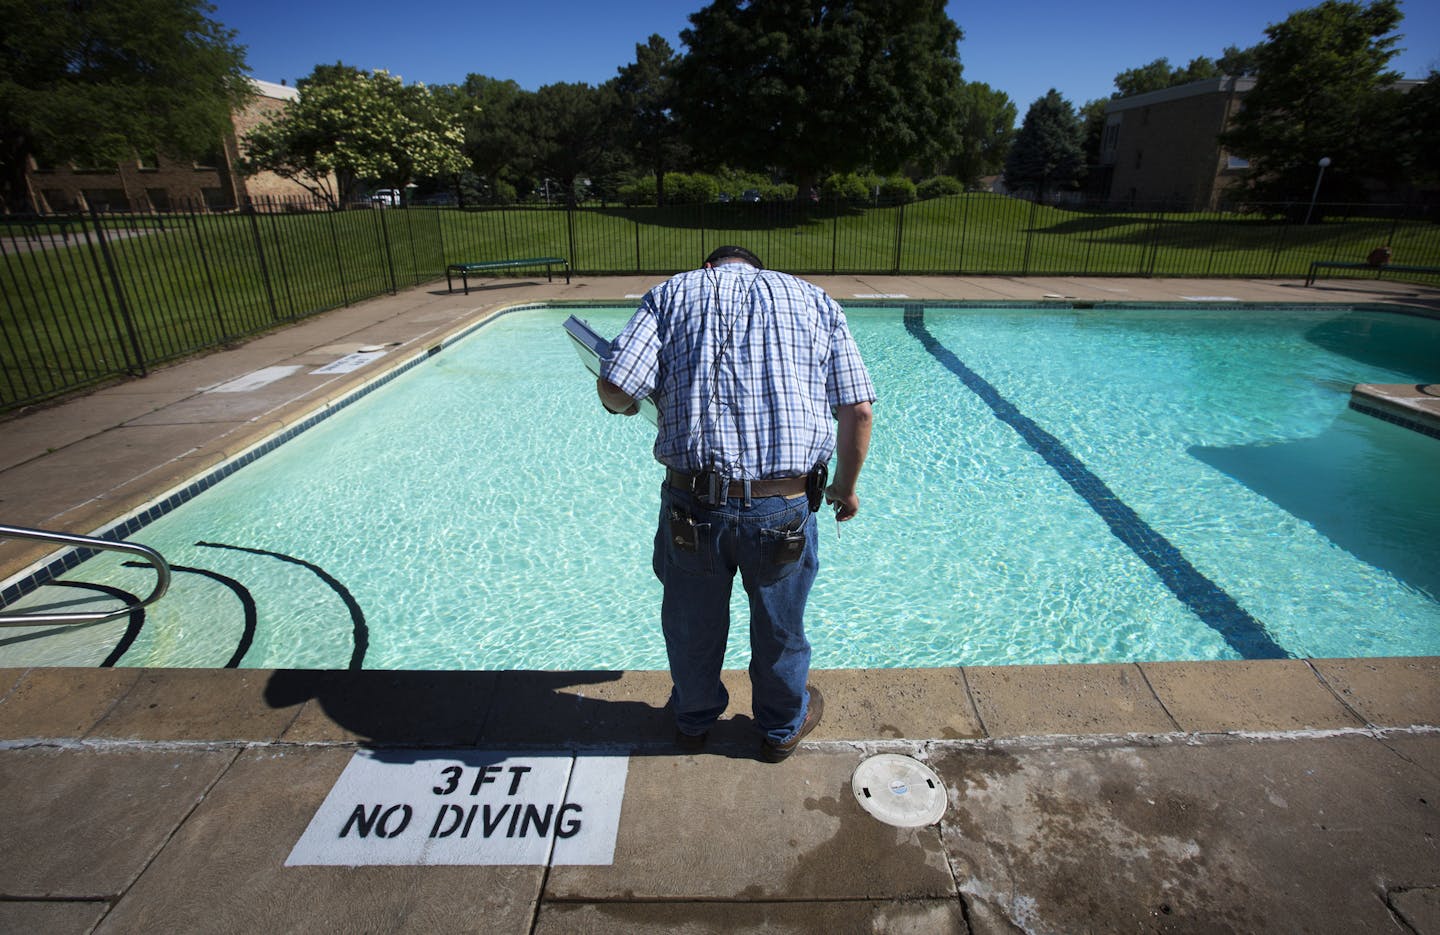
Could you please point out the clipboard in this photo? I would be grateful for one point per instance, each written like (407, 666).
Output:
(592, 349)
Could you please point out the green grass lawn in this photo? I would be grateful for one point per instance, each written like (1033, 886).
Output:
(157, 288)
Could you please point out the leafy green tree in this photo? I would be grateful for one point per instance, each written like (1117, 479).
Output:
(97, 82)
(1092, 130)
(1159, 75)
(569, 128)
(1323, 90)
(1238, 62)
(814, 87)
(647, 94)
(349, 126)
(986, 131)
(1420, 138)
(496, 142)
(1047, 151)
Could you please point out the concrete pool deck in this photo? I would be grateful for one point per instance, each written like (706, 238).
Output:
(1288, 795)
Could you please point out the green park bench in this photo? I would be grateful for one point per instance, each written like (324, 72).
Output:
(466, 270)
(1378, 269)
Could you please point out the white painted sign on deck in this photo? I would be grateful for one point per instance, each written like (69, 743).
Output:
(467, 807)
(256, 379)
(350, 362)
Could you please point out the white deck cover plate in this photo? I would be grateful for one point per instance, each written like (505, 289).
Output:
(899, 790)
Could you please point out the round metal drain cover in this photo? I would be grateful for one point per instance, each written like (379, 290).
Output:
(899, 790)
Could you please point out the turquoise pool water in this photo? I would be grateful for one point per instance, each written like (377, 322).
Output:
(1045, 485)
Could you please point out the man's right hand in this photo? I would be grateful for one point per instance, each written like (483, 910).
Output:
(845, 506)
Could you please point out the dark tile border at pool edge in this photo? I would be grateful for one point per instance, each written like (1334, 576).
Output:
(140, 518)
(1411, 424)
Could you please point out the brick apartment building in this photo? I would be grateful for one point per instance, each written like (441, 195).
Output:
(153, 181)
(1162, 146)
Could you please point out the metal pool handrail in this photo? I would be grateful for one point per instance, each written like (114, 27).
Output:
(156, 560)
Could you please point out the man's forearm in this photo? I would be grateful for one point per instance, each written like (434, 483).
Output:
(852, 444)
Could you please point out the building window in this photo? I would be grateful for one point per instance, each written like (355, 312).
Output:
(1109, 142)
(1236, 162)
(58, 199)
(159, 198)
(211, 160)
(215, 199)
(107, 199)
(147, 162)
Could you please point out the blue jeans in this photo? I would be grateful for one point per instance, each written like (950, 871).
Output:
(695, 612)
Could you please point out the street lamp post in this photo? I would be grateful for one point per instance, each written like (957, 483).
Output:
(1324, 161)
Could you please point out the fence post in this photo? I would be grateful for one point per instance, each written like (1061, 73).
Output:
(570, 227)
(440, 232)
(1030, 233)
(385, 246)
(129, 322)
(280, 255)
(964, 232)
(899, 236)
(834, 232)
(249, 209)
(339, 259)
(636, 222)
(1155, 221)
(1279, 240)
(223, 332)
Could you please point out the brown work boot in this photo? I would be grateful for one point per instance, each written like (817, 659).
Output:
(772, 752)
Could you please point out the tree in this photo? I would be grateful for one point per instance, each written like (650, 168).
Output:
(1238, 62)
(1322, 91)
(569, 127)
(495, 138)
(1047, 150)
(647, 95)
(1420, 141)
(814, 87)
(986, 131)
(348, 126)
(97, 82)
(1158, 75)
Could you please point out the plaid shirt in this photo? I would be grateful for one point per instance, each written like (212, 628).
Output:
(744, 366)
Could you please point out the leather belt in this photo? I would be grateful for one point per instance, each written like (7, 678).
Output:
(774, 487)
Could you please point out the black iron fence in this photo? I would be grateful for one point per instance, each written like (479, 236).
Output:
(93, 296)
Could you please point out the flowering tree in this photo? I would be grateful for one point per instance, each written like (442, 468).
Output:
(348, 126)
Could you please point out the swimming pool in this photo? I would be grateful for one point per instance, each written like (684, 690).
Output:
(1048, 484)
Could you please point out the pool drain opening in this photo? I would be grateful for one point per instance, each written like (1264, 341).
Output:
(899, 790)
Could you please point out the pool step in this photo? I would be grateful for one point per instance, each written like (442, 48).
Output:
(1415, 406)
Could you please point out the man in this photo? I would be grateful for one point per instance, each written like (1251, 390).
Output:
(746, 367)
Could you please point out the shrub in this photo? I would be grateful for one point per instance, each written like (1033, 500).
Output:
(686, 188)
(939, 186)
(847, 187)
(639, 191)
(897, 190)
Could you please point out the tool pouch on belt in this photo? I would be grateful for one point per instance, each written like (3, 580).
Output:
(815, 485)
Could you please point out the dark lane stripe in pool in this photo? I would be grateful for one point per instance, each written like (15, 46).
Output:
(357, 616)
(1207, 600)
(134, 625)
(242, 594)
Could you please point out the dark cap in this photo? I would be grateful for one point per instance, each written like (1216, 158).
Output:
(733, 253)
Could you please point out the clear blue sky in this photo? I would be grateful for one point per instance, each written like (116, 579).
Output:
(1021, 47)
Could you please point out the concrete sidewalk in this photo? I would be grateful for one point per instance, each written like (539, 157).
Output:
(1287, 796)
(1283, 796)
